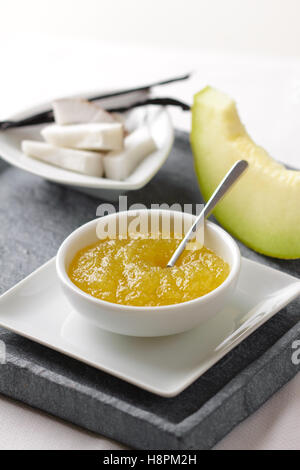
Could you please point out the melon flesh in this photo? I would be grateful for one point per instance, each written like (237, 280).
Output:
(263, 208)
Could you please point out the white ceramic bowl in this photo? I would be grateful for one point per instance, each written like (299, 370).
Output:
(147, 321)
(160, 125)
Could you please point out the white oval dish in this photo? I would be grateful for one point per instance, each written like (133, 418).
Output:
(148, 321)
(161, 130)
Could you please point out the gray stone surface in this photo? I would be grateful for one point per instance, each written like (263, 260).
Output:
(35, 217)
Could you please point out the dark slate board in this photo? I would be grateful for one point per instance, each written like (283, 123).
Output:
(35, 217)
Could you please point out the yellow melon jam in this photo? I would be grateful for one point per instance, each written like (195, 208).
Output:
(133, 271)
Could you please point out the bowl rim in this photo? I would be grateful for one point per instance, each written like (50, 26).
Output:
(226, 238)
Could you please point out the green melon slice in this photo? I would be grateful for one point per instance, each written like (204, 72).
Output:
(263, 208)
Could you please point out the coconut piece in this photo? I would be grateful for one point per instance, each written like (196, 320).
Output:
(79, 111)
(138, 145)
(87, 163)
(90, 136)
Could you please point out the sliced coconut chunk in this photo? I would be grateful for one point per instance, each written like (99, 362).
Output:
(91, 136)
(137, 146)
(81, 161)
(78, 111)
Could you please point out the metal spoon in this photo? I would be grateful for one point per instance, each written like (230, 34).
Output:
(231, 177)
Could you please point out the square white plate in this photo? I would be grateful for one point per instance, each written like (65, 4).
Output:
(37, 309)
(161, 129)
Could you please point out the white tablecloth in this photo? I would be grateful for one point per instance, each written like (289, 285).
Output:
(35, 69)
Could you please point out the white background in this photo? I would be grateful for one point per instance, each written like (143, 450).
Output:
(250, 48)
(259, 26)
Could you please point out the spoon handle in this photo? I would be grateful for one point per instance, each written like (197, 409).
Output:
(231, 177)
